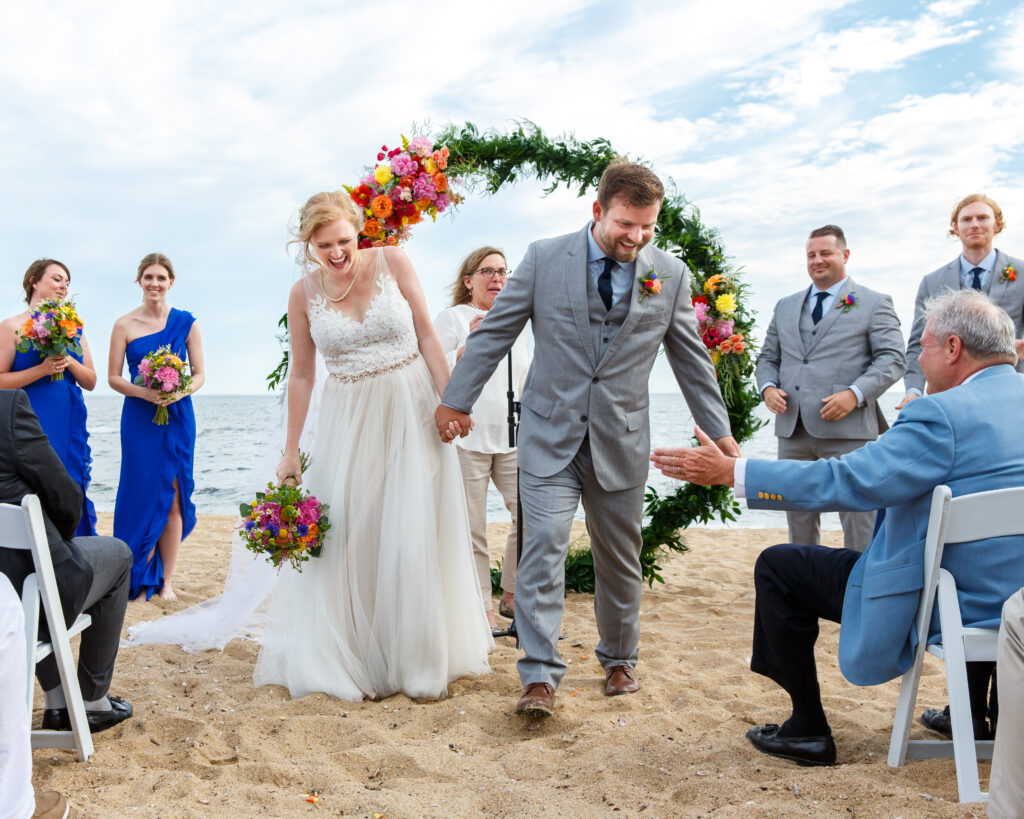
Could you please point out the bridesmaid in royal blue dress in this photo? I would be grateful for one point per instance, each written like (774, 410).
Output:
(59, 404)
(154, 512)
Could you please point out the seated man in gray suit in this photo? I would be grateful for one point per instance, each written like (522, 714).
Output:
(830, 351)
(975, 221)
(92, 572)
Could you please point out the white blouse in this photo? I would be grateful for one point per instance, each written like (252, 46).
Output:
(490, 413)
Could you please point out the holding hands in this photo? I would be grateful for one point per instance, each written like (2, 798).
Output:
(709, 464)
(451, 423)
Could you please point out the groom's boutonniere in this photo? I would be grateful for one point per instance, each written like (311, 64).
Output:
(1008, 274)
(847, 302)
(650, 285)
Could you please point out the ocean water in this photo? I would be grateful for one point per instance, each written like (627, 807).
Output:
(232, 459)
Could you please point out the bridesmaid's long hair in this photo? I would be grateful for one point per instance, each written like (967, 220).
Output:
(460, 293)
(35, 273)
(151, 259)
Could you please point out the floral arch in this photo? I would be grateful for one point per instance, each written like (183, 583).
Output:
(410, 183)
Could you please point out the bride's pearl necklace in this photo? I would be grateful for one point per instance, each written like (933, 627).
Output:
(348, 289)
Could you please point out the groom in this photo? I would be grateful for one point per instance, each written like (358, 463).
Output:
(584, 431)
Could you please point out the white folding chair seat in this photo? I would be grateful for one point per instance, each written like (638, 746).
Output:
(21, 527)
(954, 520)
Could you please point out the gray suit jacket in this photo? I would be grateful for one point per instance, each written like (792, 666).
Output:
(1008, 295)
(568, 392)
(862, 346)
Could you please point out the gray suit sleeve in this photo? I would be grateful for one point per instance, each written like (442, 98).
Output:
(494, 337)
(914, 378)
(888, 359)
(692, 366)
(767, 366)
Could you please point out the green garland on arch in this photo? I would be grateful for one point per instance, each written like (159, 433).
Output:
(488, 161)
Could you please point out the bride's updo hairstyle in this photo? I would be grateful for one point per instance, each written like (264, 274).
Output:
(151, 259)
(322, 209)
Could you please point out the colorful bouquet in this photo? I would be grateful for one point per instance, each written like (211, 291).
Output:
(162, 369)
(52, 330)
(405, 184)
(285, 523)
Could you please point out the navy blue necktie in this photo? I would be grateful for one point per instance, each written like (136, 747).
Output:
(976, 281)
(816, 312)
(604, 282)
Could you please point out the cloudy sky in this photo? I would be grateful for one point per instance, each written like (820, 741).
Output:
(197, 129)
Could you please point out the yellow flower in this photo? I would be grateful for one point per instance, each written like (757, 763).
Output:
(429, 165)
(715, 355)
(383, 175)
(726, 303)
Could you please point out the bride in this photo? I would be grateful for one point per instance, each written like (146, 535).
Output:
(392, 603)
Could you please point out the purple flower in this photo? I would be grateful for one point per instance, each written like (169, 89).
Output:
(423, 187)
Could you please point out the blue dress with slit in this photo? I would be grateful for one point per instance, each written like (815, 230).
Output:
(61, 411)
(152, 458)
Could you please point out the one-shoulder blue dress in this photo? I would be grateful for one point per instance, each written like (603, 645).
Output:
(152, 457)
(61, 410)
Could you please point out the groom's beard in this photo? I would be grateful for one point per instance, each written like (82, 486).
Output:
(623, 255)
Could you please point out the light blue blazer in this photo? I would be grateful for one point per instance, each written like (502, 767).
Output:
(953, 438)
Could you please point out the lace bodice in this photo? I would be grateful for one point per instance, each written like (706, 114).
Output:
(383, 341)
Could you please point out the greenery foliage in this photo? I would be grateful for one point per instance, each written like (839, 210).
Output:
(490, 160)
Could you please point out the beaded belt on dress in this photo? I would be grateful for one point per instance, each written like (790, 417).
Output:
(371, 373)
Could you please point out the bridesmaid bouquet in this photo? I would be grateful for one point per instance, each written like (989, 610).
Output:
(285, 523)
(163, 370)
(51, 329)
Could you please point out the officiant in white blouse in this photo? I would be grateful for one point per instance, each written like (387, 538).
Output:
(485, 454)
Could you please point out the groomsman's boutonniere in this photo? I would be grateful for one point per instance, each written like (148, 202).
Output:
(650, 285)
(1008, 274)
(847, 302)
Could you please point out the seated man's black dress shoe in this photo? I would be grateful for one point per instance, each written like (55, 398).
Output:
(57, 719)
(801, 750)
(939, 721)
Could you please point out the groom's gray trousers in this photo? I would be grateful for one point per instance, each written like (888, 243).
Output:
(613, 523)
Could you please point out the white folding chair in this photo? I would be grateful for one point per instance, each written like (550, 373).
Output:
(954, 520)
(21, 527)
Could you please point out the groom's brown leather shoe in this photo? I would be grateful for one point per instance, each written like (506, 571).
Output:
(620, 679)
(538, 700)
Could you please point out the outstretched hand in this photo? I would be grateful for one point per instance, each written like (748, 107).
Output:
(706, 464)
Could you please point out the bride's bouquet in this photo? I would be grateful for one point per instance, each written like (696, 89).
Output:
(162, 369)
(51, 329)
(285, 524)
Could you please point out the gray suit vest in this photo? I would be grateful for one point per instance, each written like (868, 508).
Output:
(605, 324)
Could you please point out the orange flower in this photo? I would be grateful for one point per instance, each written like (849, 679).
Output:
(377, 243)
(371, 228)
(716, 282)
(413, 218)
(313, 529)
(406, 181)
(655, 286)
(26, 328)
(422, 204)
(391, 239)
(440, 182)
(381, 206)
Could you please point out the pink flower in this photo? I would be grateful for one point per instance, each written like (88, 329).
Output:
(144, 368)
(442, 202)
(701, 309)
(403, 164)
(423, 188)
(724, 328)
(168, 378)
(420, 145)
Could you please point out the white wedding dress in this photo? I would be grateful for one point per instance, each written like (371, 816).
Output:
(392, 604)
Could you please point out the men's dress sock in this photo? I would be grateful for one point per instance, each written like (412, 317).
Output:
(102, 704)
(796, 728)
(978, 675)
(807, 720)
(54, 698)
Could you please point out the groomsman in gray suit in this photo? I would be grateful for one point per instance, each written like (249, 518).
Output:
(584, 432)
(975, 221)
(830, 351)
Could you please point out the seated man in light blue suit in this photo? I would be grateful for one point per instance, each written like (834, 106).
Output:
(951, 436)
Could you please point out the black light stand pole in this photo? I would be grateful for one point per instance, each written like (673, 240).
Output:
(514, 409)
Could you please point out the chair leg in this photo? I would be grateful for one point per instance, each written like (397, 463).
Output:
(30, 604)
(905, 711)
(964, 750)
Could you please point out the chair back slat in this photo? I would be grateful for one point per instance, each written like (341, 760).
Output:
(998, 513)
(13, 528)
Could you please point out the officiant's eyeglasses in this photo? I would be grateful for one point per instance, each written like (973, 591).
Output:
(491, 272)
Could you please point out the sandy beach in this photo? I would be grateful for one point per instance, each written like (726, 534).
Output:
(205, 743)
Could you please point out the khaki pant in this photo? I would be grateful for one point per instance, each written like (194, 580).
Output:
(478, 470)
(1006, 786)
